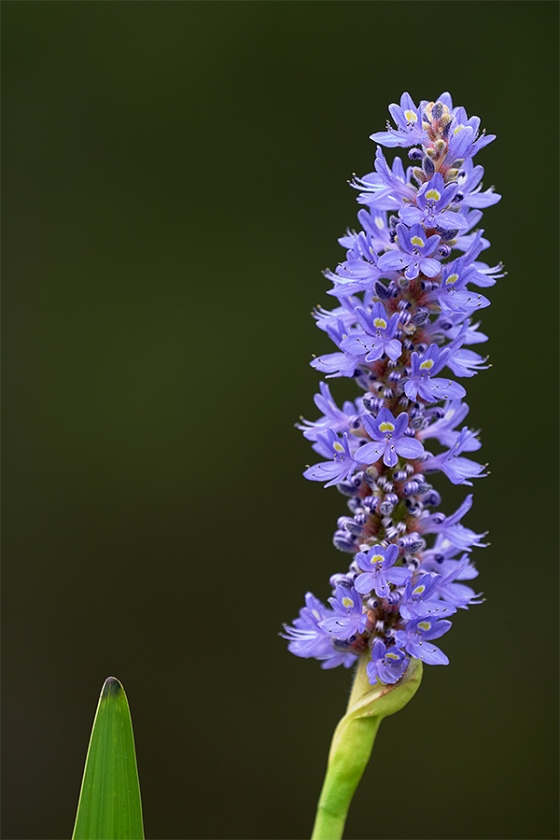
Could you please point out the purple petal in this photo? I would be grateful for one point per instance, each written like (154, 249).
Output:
(391, 554)
(440, 389)
(401, 423)
(431, 654)
(390, 457)
(437, 629)
(381, 585)
(409, 447)
(385, 416)
(364, 583)
(386, 138)
(393, 349)
(398, 575)
(410, 389)
(393, 261)
(411, 214)
(356, 345)
(369, 453)
(329, 471)
(430, 267)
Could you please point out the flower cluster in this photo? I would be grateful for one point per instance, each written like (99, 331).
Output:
(406, 311)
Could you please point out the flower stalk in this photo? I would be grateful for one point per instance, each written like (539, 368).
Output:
(353, 742)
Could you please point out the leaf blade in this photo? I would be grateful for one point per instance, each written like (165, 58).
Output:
(110, 807)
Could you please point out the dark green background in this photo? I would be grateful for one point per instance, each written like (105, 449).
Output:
(174, 182)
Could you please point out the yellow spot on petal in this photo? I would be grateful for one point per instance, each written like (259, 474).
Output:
(391, 656)
(338, 447)
(377, 558)
(347, 602)
(419, 589)
(411, 117)
(424, 625)
(417, 240)
(458, 129)
(426, 365)
(433, 195)
(452, 278)
(380, 323)
(386, 427)
(379, 223)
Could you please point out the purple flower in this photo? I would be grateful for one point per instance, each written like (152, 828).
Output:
(342, 465)
(335, 364)
(415, 254)
(421, 382)
(389, 438)
(379, 570)
(387, 664)
(350, 618)
(453, 295)
(465, 362)
(334, 418)
(458, 470)
(408, 119)
(406, 293)
(307, 638)
(378, 337)
(458, 594)
(443, 428)
(416, 637)
(422, 598)
(451, 533)
(385, 188)
(432, 203)
(468, 182)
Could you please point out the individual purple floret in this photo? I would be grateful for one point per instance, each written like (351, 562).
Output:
(414, 253)
(404, 326)
(308, 639)
(387, 664)
(389, 440)
(432, 208)
(409, 122)
(378, 338)
(350, 618)
(416, 635)
(421, 381)
(331, 446)
(379, 570)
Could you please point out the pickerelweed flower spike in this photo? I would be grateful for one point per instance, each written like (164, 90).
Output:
(408, 295)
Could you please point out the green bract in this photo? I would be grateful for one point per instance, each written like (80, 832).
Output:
(353, 740)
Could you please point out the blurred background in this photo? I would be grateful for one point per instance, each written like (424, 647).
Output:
(174, 183)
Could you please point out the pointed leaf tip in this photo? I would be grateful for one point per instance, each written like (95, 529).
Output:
(112, 687)
(109, 806)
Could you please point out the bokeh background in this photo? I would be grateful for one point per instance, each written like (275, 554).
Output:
(174, 183)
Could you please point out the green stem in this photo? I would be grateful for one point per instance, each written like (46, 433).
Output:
(353, 741)
(341, 781)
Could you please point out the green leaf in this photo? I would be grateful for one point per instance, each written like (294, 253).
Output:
(110, 807)
(353, 740)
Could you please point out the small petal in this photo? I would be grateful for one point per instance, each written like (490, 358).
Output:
(369, 453)
(409, 447)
